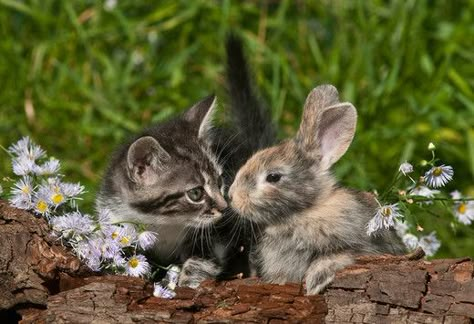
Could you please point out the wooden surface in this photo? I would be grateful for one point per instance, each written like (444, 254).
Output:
(44, 283)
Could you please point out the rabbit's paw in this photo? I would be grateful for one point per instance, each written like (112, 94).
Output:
(322, 271)
(196, 270)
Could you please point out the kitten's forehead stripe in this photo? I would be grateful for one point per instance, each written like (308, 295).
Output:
(202, 159)
(152, 205)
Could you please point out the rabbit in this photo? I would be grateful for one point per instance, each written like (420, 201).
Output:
(309, 226)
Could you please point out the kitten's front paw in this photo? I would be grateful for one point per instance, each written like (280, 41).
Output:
(196, 270)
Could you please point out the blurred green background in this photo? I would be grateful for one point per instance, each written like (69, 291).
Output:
(80, 76)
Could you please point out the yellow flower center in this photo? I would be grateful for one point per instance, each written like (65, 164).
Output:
(26, 190)
(42, 206)
(462, 208)
(124, 240)
(437, 171)
(386, 211)
(114, 235)
(57, 198)
(133, 262)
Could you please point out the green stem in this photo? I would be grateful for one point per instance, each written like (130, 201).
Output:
(6, 151)
(390, 188)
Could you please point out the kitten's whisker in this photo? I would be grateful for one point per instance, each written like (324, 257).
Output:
(227, 143)
(230, 153)
(236, 228)
(209, 236)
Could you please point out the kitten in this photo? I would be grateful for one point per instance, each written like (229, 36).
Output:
(173, 176)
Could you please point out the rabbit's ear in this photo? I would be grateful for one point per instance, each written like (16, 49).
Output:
(328, 127)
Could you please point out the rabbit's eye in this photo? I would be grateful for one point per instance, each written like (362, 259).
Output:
(273, 177)
(195, 194)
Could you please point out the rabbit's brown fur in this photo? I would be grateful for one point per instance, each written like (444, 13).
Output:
(309, 227)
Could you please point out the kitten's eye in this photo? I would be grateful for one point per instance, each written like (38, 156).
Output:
(273, 177)
(195, 194)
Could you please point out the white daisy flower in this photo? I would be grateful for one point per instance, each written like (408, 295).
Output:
(90, 252)
(430, 244)
(112, 231)
(25, 148)
(72, 224)
(22, 193)
(405, 168)
(95, 264)
(23, 166)
(147, 239)
(463, 210)
(104, 217)
(72, 190)
(438, 176)
(401, 228)
(119, 261)
(424, 191)
(110, 5)
(137, 266)
(456, 194)
(163, 292)
(53, 193)
(125, 234)
(110, 248)
(410, 241)
(172, 277)
(20, 147)
(49, 167)
(41, 204)
(384, 218)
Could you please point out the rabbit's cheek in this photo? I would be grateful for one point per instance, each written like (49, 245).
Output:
(270, 192)
(240, 200)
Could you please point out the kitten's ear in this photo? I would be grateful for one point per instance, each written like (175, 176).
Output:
(200, 115)
(144, 158)
(327, 127)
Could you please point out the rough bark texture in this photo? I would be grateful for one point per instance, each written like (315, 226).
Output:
(29, 260)
(44, 283)
(396, 290)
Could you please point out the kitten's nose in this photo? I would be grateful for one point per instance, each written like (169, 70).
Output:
(221, 204)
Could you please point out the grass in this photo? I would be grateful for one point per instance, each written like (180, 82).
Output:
(79, 78)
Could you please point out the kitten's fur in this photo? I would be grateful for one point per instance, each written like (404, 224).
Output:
(149, 179)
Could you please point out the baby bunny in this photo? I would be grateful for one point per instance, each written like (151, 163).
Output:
(309, 227)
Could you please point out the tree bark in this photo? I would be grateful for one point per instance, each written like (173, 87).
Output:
(44, 283)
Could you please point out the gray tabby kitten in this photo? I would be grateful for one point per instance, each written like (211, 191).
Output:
(310, 226)
(173, 176)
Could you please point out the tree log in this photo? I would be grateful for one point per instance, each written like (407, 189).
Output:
(42, 282)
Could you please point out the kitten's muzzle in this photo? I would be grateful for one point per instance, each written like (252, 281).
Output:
(220, 204)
